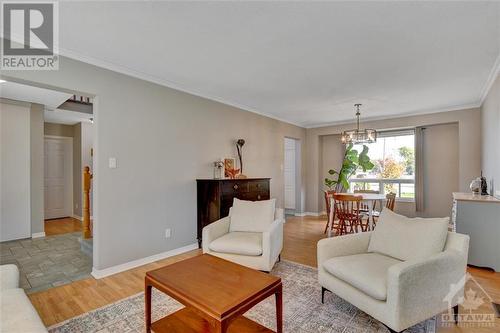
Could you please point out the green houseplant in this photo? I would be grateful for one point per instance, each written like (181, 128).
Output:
(352, 161)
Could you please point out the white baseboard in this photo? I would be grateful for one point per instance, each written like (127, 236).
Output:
(38, 235)
(310, 214)
(80, 218)
(101, 273)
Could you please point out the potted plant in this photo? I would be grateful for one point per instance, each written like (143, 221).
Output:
(352, 161)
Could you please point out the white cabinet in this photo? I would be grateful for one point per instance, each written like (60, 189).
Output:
(479, 217)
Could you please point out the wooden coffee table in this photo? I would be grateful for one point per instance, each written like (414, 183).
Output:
(216, 293)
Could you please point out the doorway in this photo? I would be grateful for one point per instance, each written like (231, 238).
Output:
(46, 140)
(58, 180)
(291, 169)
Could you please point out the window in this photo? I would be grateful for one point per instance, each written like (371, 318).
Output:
(394, 157)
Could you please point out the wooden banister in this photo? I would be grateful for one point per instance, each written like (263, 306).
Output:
(87, 182)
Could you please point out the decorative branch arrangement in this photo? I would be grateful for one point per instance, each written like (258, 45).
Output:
(239, 147)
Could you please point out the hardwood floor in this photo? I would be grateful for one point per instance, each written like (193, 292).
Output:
(301, 236)
(62, 226)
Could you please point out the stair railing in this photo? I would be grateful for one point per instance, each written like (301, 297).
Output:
(87, 183)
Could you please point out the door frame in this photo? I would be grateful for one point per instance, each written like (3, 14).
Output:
(69, 140)
(96, 144)
(299, 206)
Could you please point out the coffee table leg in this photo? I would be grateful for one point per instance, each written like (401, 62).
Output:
(147, 311)
(279, 309)
(221, 327)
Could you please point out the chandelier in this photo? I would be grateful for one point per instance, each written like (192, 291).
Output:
(356, 136)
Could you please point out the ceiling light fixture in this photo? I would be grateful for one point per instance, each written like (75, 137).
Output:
(357, 136)
(2, 81)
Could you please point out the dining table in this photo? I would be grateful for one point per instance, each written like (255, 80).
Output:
(368, 198)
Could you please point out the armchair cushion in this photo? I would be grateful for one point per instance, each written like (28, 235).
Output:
(408, 238)
(252, 216)
(366, 272)
(242, 243)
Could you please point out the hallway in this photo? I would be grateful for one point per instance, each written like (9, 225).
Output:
(62, 226)
(49, 261)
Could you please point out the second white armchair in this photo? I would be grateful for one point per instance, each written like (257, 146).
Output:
(252, 234)
(401, 274)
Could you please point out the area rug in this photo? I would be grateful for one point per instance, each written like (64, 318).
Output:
(303, 311)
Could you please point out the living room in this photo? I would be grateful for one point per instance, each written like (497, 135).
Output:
(169, 113)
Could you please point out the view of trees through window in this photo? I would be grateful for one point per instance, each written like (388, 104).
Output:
(394, 171)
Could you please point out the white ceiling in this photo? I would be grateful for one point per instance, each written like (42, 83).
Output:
(66, 117)
(21, 92)
(303, 62)
(51, 99)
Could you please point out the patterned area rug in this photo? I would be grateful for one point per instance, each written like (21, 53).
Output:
(303, 311)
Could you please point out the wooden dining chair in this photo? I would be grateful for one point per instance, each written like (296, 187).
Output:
(364, 206)
(390, 202)
(346, 208)
(328, 198)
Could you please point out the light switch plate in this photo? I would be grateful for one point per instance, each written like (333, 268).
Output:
(112, 163)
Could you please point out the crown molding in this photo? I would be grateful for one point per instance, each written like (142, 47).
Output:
(495, 71)
(166, 83)
(401, 115)
(157, 80)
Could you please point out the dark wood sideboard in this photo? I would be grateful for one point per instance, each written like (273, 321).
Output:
(215, 197)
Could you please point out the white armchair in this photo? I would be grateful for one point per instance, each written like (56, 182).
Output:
(398, 292)
(258, 249)
(16, 311)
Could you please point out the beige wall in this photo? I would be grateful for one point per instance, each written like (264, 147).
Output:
(163, 139)
(468, 141)
(490, 135)
(36, 164)
(332, 155)
(37, 168)
(82, 145)
(15, 173)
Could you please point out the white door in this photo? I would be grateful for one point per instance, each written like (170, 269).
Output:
(290, 173)
(58, 177)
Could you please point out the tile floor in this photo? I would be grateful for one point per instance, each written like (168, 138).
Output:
(47, 262)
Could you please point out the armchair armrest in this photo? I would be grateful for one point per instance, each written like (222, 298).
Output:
(272, 240)
(342, 246)
(9, 277)
(426, 287)
(215, 230)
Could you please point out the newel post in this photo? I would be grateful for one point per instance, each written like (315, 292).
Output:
(87, 177)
